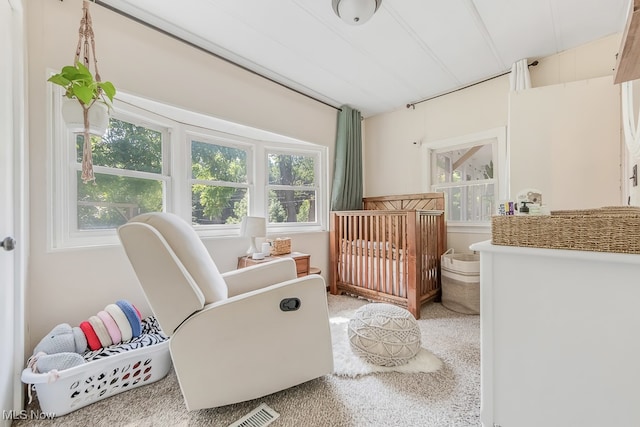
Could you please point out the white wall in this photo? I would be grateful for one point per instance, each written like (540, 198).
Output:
(565, 141)
(69, 286)
(394, 164)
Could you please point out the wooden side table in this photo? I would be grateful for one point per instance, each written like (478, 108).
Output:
(302, 261)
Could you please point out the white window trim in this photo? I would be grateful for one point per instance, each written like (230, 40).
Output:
(210, 136)
(180, 125)
(132, 116)
(61, 156)
(283, 227)
(498, 136)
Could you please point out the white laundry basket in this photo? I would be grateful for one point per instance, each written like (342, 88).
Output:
(461, 282)
(74, 388)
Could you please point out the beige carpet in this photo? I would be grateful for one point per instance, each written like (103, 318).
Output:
(448, 397)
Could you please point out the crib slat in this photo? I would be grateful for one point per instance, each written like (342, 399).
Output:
(413, 304)
(367, 282)
(383, 254)
(398, 260)
(334, 252)
(353, 250)
(374, 258)
(362, 249)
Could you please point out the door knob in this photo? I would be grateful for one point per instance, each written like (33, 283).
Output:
(8, 244)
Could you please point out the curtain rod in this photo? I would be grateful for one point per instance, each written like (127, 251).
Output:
(413, 104)
(160, 30)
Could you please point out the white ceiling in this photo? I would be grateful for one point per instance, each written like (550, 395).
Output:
(409, 51)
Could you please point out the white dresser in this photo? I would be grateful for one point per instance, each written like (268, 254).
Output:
(560, 337)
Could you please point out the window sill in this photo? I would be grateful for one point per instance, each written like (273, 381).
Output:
(109, 238)
(469, 228)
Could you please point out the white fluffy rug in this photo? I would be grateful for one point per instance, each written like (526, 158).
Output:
(348, 364)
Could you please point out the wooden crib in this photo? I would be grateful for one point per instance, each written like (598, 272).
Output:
(390, 251)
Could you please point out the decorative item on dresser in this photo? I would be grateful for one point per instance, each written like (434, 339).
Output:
(302, 261)
(281, 246)
(605, 229)
(390, 251)
(253, 227)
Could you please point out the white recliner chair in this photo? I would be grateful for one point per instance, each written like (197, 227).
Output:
(235, 336)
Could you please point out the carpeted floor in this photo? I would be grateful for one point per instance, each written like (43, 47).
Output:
(449, 397)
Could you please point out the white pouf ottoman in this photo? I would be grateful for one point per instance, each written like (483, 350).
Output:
(384, 334)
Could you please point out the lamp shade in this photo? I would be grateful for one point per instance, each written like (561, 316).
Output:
(355, 12)
(252, 227)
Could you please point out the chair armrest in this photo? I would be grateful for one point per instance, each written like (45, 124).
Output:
(258, 276)
(246, 347)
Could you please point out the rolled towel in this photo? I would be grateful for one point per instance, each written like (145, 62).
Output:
(111, 325)
(121, 320)
(130, 312)
(101, 331)
(137, 312)
(90, 334)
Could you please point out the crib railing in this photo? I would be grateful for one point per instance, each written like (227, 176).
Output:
(391, 256)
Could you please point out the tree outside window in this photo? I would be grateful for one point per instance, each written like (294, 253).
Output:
(220, 186)
(129, 176)
(292, 188)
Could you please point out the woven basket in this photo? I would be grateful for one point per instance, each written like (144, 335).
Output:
(281, 246)
(608, 229)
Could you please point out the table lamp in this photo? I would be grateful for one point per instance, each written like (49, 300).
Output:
(252, 227)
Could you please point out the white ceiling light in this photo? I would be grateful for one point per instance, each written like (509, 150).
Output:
(355, 12)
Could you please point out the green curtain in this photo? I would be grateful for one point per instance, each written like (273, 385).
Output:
(346, 193)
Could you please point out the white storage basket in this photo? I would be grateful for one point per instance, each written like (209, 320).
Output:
(461, 282)
(82, 385)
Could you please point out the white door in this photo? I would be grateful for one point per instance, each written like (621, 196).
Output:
(11, 304)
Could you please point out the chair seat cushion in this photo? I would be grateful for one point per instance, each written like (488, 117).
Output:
(384, 334)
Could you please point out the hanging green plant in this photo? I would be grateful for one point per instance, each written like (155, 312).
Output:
(94, 96)
(79, 83)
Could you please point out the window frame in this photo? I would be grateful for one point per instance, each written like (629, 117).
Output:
(62, 226)
(178, 125)
(320, 206)
(164, 175)
(497, 137)
(212, 137)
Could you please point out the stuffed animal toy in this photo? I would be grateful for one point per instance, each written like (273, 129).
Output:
(60, 349)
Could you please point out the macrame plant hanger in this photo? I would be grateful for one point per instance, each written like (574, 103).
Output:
(85, 37)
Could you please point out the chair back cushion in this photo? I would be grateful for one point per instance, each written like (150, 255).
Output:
(187, 246)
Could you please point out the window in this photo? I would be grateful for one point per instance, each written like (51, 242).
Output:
(292, 188)
(219, 183)
(209, 171)
(468, 170)
(465, 175)
(131, 176)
